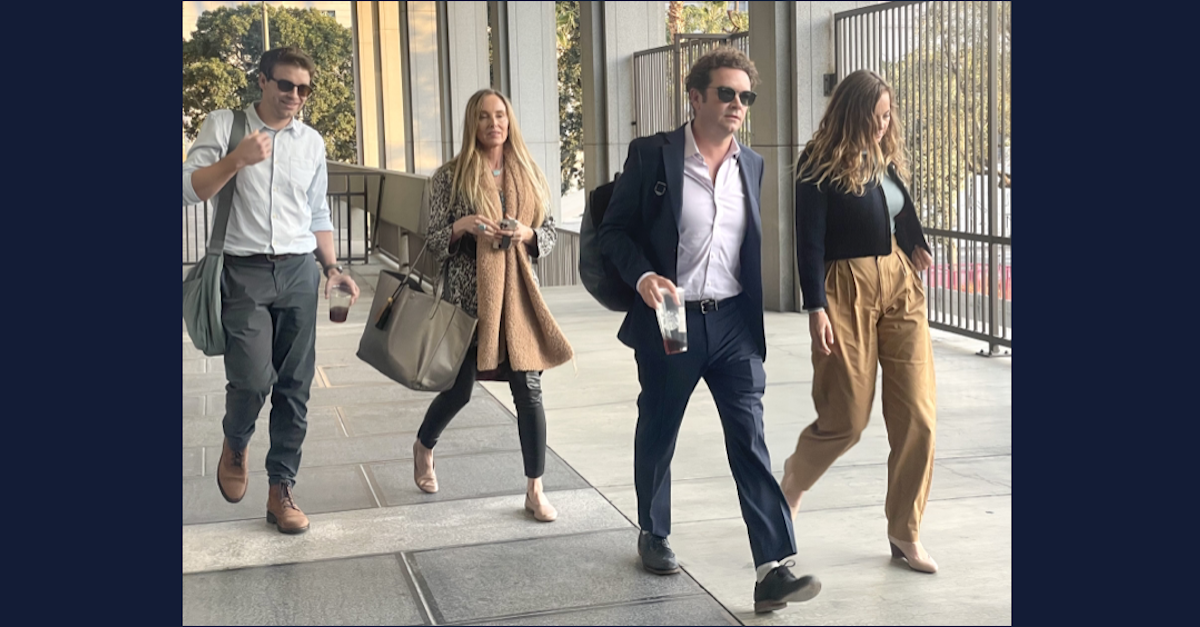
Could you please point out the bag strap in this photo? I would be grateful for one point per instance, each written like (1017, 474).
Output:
(442, 281)
(216, 242)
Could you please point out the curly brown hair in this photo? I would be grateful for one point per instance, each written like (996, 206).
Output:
(843, 150)
(287, 55)
(701, 73)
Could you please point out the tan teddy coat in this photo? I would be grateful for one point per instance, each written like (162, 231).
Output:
(499, 287)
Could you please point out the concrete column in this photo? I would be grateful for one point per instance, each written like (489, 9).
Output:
(378, 85)
(610, 33)
(465, 64)
(773, 44)
(379, 72)
(526, 70)
(366, 92)
(425, 97)
(416, 64)
(393, 64)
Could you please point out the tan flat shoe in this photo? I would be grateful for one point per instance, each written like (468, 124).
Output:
(425, 478)
(542, 513)
(914, 554)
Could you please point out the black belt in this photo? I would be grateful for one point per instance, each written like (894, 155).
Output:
(707, 305)
(265, 257)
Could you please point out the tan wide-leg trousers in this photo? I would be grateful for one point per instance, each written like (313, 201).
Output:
(877, 308)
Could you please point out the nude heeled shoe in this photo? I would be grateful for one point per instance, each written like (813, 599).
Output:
(916, 556)
(544, 512)
(425, 478)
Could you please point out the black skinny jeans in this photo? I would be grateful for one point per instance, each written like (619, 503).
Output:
(527, 395)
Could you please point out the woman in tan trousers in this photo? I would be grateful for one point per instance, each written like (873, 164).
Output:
(859, 249)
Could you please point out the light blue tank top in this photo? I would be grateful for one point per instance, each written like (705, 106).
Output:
(895, 200)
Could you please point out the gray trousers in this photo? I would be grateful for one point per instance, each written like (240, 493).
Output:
(269, 310)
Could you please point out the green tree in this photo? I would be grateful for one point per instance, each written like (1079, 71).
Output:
(570, 91)
(712, 17)
(220, 68)
(674, 19)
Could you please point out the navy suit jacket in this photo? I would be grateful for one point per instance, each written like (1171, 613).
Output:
(640, 231)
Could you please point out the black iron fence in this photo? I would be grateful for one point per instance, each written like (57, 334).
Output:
(355, 199)
(949, 64)
(353, 221)
(659, 74)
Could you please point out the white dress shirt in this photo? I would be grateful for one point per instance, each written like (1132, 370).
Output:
(712, 225)
(279, 201)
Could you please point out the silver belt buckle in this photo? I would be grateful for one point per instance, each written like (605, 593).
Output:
(708, 305)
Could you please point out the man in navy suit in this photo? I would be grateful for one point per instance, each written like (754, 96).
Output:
(685, 212)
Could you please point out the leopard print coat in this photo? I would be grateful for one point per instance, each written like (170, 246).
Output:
(443, 212)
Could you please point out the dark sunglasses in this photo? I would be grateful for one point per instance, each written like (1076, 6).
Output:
(287, 86)
(726, 94)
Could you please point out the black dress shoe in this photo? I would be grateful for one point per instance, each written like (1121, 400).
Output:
(780, 587)
(657, 556)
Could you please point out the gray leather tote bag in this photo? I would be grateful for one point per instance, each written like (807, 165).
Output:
(413, 336)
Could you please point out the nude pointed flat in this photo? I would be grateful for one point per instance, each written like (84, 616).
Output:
(542, 513)
(425, 478)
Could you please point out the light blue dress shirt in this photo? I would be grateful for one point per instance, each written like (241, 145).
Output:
(712, 225)
(895, 200)
(280, 201)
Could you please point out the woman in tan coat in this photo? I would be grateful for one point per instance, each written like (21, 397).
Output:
(488, 217)
(859, 249)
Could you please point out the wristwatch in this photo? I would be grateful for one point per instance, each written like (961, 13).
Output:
(333, 266)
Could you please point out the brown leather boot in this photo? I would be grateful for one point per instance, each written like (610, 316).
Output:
(232, 473)
(282, 511)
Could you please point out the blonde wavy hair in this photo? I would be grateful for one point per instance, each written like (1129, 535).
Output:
(843, 151)
(469, 165)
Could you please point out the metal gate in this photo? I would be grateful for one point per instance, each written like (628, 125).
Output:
(659, 74)
(347, 196)
(949, 64)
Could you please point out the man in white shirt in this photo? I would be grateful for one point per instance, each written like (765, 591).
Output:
(278, 220)
(685, 212)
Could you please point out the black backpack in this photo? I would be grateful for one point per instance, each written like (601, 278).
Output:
(599, 275)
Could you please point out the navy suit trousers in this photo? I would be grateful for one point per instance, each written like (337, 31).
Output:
(721, 350)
